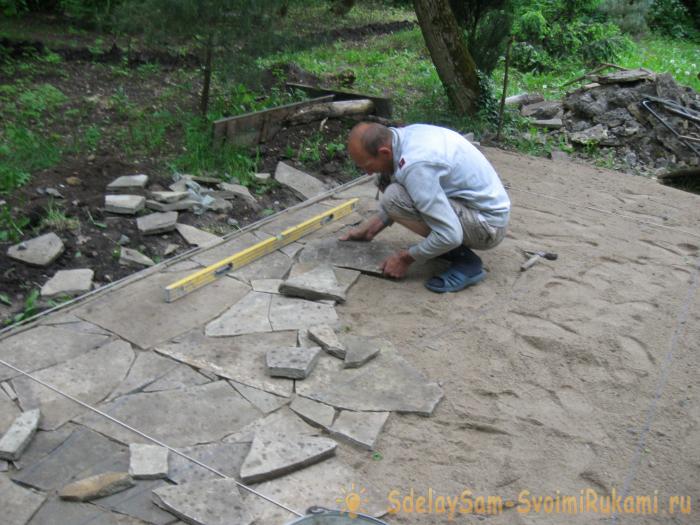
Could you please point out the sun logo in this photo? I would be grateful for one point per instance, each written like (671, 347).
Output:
(352, 500)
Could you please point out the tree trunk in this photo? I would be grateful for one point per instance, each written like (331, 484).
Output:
(204, 100)
(449, 52)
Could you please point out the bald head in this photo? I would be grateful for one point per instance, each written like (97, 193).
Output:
(370, 147)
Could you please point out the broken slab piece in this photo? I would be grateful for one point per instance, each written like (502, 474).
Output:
(18, 436)
(292, 362)
(327, 338)
(98, 486)
(319, 283)
(168, 197)
(18, 504)
(361, 349)
(155, 223)
(314, 412)
(302, 183)
(128, 182)
(68, 282)
(210, 502)
(148, 461)
(129, 257)
(263, 401)
(195, 236)
(271, 457)
(39, 251)
(124, 204)
(359, 428)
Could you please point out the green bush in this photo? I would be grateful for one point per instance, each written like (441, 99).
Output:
(672, 18)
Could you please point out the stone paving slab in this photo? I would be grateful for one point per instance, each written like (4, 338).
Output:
(226, 249)
(177, 417)
(361, 349)
(155, 223)
(241, 359)
(273, 266)
(263, 401)
(8, 413)
(143, 299)
(317, 284)
(137, 502)
(124, 204)
(325, 336)
(148, 461)
(68, 282)
(314, 412)
(359, 428)
(89, 377)
(292, 218)
(55, 512)
(83, 454)
(289, 313)
(302, 183)
(271, 457)
(195, 236)
(282, 423)
(168, 196)
(266, 285)
(130, 257)
(292, 362)
(17, 437)
(147, 368)
(128, 182)
(249, 315)
(43, 443)
(227, 458)
(363, 256)
(321, 484)
(39, 251)
(18, 504)
(210, 502)
(180, 377)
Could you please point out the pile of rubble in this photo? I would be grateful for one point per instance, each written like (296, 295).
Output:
(647, 121)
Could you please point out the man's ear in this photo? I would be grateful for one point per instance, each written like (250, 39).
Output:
(385, 151)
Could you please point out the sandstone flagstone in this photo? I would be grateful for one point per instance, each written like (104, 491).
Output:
(210, 502)
(241, 358)
(130, 257)
(178, 417)
(359, 428)
(263, 401)
(195, 236)
(314, 412)
(84, 453)
(363, 256)
(138, 313)
(68, 282)
(155, 223)
(325, 336)
(282, 423)
(89, 377)
(168, 196)
(128, 182)
(148, 461)
(271, 457)
(39, 251)
(18, 504)
(293, 362)
(97, 486)
(249, 315)
(226, 457)
(302, 183)
(147, 368)
(17, 437)
(361, 349)
(124, 204)
(319, 283)
(290, 313)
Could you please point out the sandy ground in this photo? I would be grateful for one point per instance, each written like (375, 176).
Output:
(576, 377)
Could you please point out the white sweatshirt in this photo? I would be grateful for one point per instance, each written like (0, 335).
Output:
(435, 164)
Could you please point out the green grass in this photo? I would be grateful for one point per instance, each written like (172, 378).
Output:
(55, 219)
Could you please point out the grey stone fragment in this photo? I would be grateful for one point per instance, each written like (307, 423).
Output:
(359, 428)
(43, 443)
(39, 251)
(266, 285)
(211, 502)
(303, 338)
(178, 378)
(168, 197)
(271, 457)
(98, 486)
(129, 257)
(364, 256)
(220, 206)
(263, 401)
(226, 457)
(147, 368)
(292, 362)
(314, 412)
(291, 249)
(282, 423)
(177, 417)
(318, 484)
(84, 453)
(136, 502)
(240, 191)
(18, 436)
(249, 315)
(170, 249)
(68, 282)
(18, 504)
(327, 338)
(124, 204)
(361, 349)
(553, 123)
(290, 313)
(148, 461)
(592, 135)
(181, 205)
(89, 377)
(274, 265)
(241, 358)
(302, 183)
(547, 109)
(139, 314)
(319, 283)
(8, 413)
(195, 236)
(128, 182)
(56, 511)
(157, 223)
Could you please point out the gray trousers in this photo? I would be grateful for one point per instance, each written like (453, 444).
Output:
(478, 234)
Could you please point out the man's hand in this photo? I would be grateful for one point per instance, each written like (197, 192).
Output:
(397, 265)
(366, 231)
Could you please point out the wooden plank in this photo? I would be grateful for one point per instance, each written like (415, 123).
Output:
(382, 105)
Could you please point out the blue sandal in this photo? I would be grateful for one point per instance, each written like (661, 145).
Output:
(453, 280)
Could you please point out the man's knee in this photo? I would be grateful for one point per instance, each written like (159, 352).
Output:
(397, 203)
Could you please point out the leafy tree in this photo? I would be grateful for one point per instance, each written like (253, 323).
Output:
(628, 15)
(241, 28)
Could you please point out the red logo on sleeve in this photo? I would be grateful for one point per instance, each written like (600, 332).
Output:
(402, 162)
